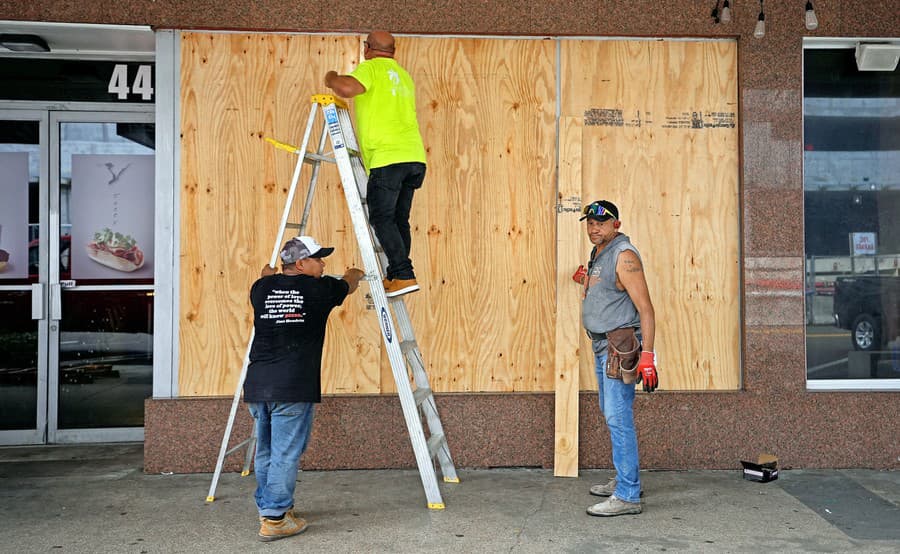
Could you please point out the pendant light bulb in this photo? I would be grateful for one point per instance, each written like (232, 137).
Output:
(726, 12)
(812, 22)
(760, 30)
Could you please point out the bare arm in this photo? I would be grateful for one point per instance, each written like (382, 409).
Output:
(267, 270)
(343, 85)
(353, 276)
(630, 273)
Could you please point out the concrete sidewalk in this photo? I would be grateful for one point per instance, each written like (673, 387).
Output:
(97, 499)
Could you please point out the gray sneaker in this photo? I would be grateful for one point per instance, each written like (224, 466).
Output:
(608, 489)
(604, 490)
(613, 506)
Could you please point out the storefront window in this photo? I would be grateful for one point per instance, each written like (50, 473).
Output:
(851, 183)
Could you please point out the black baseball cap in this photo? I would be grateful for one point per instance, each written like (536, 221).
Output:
(600, 210)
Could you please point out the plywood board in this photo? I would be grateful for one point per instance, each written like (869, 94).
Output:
(660, 139)
(569, 334)
(483, 223)
(237, 89)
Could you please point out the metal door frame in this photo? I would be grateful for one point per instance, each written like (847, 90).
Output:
(39, 293)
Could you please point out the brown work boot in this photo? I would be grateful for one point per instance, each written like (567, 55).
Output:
(293, 511)
(396, 287)
(274, 529)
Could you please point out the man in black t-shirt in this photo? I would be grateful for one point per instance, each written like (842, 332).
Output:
(283, 379)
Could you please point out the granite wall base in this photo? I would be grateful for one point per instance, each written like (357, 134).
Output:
(809, 430)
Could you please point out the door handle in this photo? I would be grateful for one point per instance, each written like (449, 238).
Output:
(55, 302)
(37, 301)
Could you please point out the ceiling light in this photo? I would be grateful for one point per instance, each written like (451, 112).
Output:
(812, 22)
(877, 57)
(726, 12)
(760, 30)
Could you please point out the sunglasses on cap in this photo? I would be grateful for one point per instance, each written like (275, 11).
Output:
(597, 210)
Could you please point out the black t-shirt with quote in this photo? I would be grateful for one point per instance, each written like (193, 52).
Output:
(289, 315)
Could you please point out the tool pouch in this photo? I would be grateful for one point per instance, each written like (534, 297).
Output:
(623, 355)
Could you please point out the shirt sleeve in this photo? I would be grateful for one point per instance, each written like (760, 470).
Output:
(254, 291)
(338, 289)
(365, 74)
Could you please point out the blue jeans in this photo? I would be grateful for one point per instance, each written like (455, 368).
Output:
(282, 433)
(389, 195)
(617, 403)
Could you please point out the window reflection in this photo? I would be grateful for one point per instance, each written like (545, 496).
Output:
(18, 361)
(105, 358)
(852, 236)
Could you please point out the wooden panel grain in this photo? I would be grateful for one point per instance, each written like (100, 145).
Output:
(483, 223)
(661, 141)
(237, 89)
(569, 334)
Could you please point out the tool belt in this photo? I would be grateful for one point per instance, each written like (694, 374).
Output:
(623, 354)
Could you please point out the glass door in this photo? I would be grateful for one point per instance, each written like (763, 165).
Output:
(76, 275)
(24, 276)
(101, 227)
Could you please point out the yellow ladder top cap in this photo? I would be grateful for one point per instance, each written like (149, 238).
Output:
(324, 99)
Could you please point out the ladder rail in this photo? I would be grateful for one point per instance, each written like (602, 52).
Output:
(293, 189)
(350, 183)
(223, 449)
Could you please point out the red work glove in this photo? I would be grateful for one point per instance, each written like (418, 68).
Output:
(579, 275)
(647, 368)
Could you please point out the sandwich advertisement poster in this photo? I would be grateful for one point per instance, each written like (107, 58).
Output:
(111, 211)
(13, 215)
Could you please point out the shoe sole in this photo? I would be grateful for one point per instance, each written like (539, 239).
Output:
(404, 290)
(625, 513)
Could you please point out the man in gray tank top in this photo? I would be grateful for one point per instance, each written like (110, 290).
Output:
(616, 297)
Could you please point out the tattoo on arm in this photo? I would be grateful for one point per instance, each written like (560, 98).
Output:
(632, 266)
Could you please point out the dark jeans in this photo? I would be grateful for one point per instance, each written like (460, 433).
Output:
(389, 197)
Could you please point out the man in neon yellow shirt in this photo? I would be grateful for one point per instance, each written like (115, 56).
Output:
(392, 150)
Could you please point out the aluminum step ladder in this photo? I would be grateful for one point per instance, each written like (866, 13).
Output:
(402, 349)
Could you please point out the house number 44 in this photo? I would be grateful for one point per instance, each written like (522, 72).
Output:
(142, 84)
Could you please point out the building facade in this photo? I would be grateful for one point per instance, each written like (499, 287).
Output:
(757, 175)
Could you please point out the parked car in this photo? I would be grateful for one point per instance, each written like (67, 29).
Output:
(868, 306)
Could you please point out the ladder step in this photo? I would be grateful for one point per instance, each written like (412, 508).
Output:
(407, 345)
(292, 226)
(313, 158)
(434, 444)
(420, 395)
